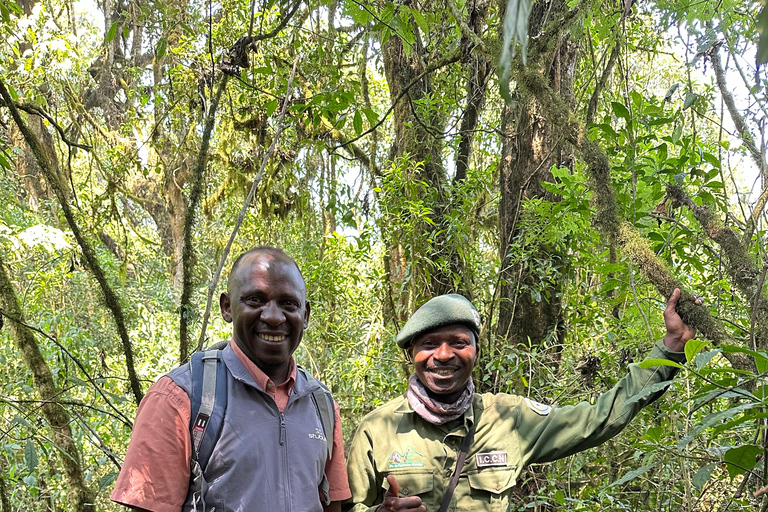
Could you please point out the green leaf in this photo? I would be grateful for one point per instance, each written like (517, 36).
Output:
(18, 420)
(650, 363)
(702, 475)
(741, 459)
(372, 117)
(762, 43)
(357, 123)
(515, 30)
(761, 358)
(712, 419)
(4, 12)
(693, 347)
(633, 474)
(271, 107)
(671, 91)
(420, 20)
(689, 99)
(4, 161)
(650, 390)
(106, 480)
(112, 32)
(160, 47)
(620, 110)
(705, 357)
(30, 456)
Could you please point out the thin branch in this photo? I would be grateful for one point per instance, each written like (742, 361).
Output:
(187, 257)
(452, 57)
(246, 205)
(34, 110)
(466, 31)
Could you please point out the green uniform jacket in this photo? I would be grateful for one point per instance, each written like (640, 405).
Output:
(511, 432)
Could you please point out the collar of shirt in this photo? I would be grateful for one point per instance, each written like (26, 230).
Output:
(261, 378)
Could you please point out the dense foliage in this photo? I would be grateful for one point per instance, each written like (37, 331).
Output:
(383, 145)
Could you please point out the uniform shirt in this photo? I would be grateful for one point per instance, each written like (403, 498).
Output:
(511, 432)
(155, 474)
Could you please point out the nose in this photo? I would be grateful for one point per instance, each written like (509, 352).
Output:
(443, 352)
(272, 314)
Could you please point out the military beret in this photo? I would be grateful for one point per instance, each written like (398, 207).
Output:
(437, 312)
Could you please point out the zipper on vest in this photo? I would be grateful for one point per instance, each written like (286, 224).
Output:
(282, 429)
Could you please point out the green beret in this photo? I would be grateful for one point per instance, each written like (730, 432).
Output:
(437, 312)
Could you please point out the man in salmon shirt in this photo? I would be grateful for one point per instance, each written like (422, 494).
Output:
(271, 454)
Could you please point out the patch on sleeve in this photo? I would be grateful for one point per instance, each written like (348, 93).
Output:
(538, 408)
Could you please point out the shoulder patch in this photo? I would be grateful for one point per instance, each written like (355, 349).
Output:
(537, 407)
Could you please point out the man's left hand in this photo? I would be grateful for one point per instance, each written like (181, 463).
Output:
(678, 332)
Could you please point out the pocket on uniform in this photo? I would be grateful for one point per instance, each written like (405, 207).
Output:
(412, 483)
(492, 480)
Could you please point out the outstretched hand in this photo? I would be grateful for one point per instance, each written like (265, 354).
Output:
(393, 501)
(678, 332)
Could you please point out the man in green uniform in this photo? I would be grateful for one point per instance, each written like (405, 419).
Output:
(404, 454)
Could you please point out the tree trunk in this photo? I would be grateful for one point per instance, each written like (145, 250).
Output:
(530, 308)
(80, 497)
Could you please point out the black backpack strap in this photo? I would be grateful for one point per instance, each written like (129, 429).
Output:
(208, 403)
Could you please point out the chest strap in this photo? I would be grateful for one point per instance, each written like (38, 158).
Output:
(457, 471)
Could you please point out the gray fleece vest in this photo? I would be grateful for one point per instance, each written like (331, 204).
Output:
(264, 460)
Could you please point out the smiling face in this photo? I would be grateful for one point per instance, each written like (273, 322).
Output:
(267, 306)
(443, 359)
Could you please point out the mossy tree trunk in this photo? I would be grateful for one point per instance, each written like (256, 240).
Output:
(529, 300)
(80, 496)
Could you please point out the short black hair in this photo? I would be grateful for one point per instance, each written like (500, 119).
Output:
(266, 249)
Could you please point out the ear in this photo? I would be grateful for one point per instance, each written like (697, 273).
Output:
(226, 307)
(409, 351)
(306, 314)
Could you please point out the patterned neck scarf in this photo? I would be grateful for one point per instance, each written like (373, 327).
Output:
(434, 411)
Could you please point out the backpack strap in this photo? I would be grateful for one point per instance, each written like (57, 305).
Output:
(208, 403)
(323, 401)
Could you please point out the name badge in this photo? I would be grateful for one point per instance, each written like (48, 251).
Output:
(490, 459)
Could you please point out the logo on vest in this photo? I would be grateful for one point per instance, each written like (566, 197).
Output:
(490, 459)
(405, 459)
(317, 434)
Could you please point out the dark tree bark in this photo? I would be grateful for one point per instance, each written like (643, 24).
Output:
(529, 308)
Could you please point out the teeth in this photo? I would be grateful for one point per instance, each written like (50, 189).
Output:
(270, 337)
(443, 373)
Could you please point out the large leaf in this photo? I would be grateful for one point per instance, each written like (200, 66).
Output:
(30, 456)
(648, 391)
(515, 32)
(762, 43)
(741, 459)
(711, 420)
(620, 110)
(633, 474)
(112, 32)
(693, 347)
(650, 363)
(702, 475)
